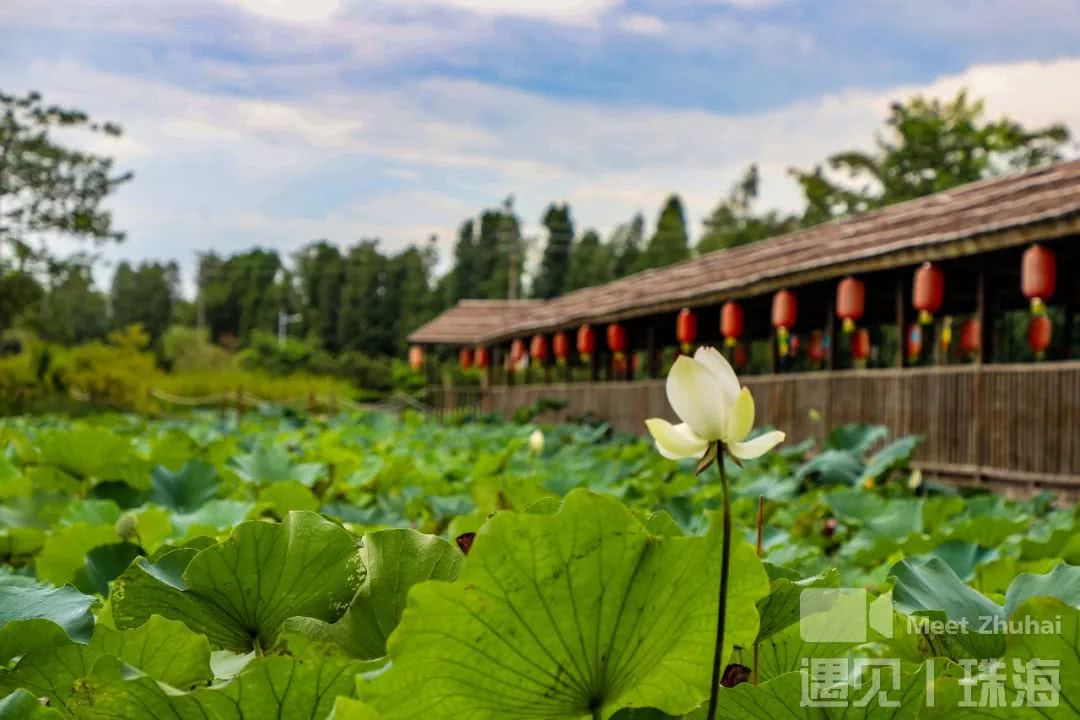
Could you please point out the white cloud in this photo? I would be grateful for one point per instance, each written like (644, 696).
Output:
(640, 24)
(562, 11)
(214, 171)
(300, 11)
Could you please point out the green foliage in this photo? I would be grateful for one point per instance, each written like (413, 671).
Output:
(557, 262)
(144, 295)
(733, 223)
(670, 243)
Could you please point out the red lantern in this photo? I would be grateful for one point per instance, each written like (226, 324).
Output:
(914, 341)
(731, 322)
(416, 357)
(970, 336)
(517, 351)
(616, 339)
(795, 345)
(816, 347)
(1039, 270)
(1039, 333)
(686, 329)
(560, 346)
(785, 309)
(928, 293)
(850, 302)
(860, 344)
(538, 349)
(586, 341)
(741, 356)
(465, 358)
(480, 357)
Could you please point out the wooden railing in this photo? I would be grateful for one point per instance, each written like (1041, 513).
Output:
(1018, 424)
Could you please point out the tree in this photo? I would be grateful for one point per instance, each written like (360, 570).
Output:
(734, 223)
(669, 244)
(72, 311)
(364, 322)
(551, 278)
(625, 247)
(464, 278)
(243, 295)
(47, 188)
(146, 295)
(590, 262)
(410, 301)
(931, 146)
(320, 274)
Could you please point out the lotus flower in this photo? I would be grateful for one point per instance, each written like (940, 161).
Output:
(715, 412)
(536, 442)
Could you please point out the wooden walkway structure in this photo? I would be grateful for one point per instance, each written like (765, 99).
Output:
(991, 414)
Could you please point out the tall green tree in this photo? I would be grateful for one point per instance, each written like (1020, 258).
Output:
(929, 146)
(410, 299)
(500, 256)
(320, 271)
(626, 247)
(464, 277)
(364, 321)
(551, 277)
(146, 294)
(733, 222)
(72, 311)
(244, 294)
(670, 243)
(590, 262)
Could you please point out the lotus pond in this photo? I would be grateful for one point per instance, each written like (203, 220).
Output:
(376, 567)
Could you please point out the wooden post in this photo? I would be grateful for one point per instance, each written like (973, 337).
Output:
(901, 323)
(774, 353)
(509, 365)
(981, 357)
(830, 332)
(986, 334)
(628, 370)
(652, 363)
(1070, 314)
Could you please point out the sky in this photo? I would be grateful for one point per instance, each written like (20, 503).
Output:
(278, 122)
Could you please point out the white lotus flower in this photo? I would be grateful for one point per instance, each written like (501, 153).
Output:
(715, 409)
(536, 442)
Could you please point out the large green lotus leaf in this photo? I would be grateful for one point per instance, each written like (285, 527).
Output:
(832, 467)
(103, 565)
(12, 482)
(571, 615)
(239, 592)
(856, 438)
(19, 637)
(782, 699)
(893, 456)
(270, 464)
(269, 687)
(394, 561)
(51, 673)
(91, 455)
(187, 489)
(90, 512)
(1058, 639)
(211, 517)
(288, 495)
(780, 608)
(927, 584)
(783, 652)
(24, 705)
(166, 650)
(65, 549)
(23, 599)
(964, 557)
(1063, 583)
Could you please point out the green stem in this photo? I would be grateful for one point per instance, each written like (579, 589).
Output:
(721, 610)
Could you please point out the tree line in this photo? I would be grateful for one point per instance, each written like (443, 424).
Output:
(360, 298)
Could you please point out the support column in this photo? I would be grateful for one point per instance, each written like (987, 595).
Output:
(901, 323)
(830, 331)
(652, 363)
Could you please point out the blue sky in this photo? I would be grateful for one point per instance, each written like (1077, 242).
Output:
(275, 122)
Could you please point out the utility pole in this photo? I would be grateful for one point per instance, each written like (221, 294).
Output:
(283, 320)
(510, 240)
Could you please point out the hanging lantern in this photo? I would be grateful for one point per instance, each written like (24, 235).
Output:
(784, 311)
(465, 358)
(970, 336)
(1039, 276)
(560, 347)
(741, 356)
(686, 329)
(928, 293)
(731, 322)
(795, 343)
(616, 339)
(914, 341)
(815, 348)
(517, 352)
(860, 344)
(1040, 331)
(946, 333)
(480, 358)
(538, 348)
(416, 357)
(850, 302)
(586, 342)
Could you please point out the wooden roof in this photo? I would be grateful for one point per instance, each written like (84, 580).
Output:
(472, 321)
(965, 220)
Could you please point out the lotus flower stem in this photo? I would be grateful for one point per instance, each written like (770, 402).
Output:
(721, 611)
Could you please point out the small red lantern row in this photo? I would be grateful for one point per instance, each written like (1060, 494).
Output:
(928, 293)
(538, 348)
(815, 348)
(517, 352)
(860, 344)
(785, 309)
(686, 329)
(481, 358)
(560, 346)
(586, 341)
(850, 302)
(616, 339)
(465, 358)
(1039, 333)
(416, 357)
(731, 322)
(970, 336)
(1039, 276)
